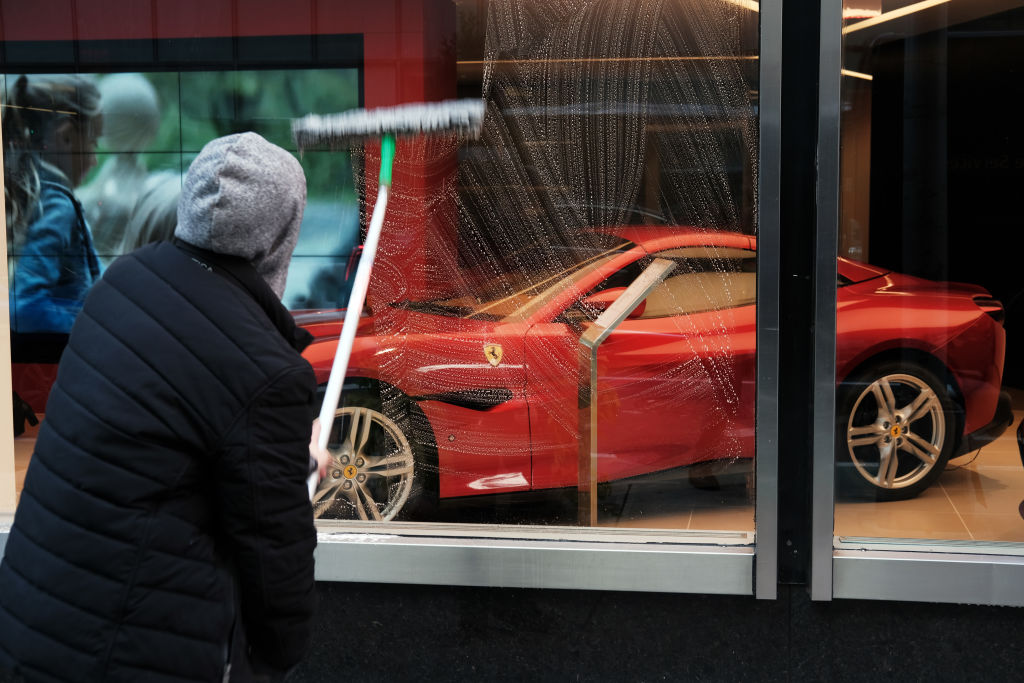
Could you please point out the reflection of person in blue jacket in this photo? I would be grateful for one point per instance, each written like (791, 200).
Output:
(50, 126)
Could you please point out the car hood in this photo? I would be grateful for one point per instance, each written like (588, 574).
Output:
(324, 324)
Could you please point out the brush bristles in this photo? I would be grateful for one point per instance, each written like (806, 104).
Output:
(461, 117)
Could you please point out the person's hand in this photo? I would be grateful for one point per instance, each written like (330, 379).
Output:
(321, 455)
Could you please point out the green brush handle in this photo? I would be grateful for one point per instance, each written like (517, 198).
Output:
(387, 158)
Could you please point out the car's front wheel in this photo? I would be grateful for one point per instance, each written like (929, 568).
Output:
(374, 473)
(897, 429)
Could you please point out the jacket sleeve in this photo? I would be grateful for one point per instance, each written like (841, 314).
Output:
(267, 518)
(48, 287)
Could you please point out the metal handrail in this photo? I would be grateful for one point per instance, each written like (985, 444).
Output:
(587, 393)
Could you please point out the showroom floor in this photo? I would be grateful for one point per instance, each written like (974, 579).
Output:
(978, 498)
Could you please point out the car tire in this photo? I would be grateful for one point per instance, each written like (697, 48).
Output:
(379, 468)
(896, 429)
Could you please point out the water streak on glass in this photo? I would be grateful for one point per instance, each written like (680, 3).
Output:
(615, 133)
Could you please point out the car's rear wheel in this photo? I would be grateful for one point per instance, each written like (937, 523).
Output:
(896, 427)
(374, 473)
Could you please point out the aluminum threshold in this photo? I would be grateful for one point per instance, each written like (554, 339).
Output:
(948, 577)
(535, 563)
(720, 563)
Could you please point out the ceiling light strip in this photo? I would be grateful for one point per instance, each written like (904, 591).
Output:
(894, 14)
(857, 74)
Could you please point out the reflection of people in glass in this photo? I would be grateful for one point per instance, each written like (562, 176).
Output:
(50, 126)
(155, 212)
(131, 119)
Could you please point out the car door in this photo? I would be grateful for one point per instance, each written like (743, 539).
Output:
(469, 384)
(675, 381)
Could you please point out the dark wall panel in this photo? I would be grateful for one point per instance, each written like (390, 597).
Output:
(400, 633)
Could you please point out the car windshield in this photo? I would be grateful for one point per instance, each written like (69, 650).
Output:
(519, 293)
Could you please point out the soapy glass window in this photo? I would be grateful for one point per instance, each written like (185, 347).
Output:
(614, 132)
(930, 374)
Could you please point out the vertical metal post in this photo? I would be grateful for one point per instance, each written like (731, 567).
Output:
(587, 390)
(825, 252)
(766, 462)
(587, 485)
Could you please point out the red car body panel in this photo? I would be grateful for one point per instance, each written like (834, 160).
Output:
(644, 406)
(32, 382)
(855, 271)
(478, 450)
(672, 391)
(898, 311)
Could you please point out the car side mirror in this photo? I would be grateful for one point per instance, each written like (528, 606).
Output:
(600, 301)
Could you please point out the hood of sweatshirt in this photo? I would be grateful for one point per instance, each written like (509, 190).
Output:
(243, 196)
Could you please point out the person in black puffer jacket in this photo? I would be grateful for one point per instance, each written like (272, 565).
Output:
(164, 532)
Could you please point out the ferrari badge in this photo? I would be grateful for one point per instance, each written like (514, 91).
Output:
(493, 353)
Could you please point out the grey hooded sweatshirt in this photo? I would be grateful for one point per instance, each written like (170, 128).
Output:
(244, 196)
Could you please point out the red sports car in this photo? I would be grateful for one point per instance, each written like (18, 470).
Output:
(478, 393)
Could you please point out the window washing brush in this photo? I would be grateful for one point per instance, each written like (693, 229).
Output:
(459, 117)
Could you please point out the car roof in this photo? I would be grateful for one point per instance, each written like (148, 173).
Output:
(654, 238)
(657, 237)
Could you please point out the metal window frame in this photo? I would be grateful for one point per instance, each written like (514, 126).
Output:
(769, 255)
(933, 571)
(605, 559)
(535, 557)
(610, 559)
(825, 249)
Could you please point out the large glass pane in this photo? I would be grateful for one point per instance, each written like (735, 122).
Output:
(616, 134)
(930, 306)
(620, 139)
(134, 135)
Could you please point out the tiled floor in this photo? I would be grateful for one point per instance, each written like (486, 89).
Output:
(977, 499)
(676, 503)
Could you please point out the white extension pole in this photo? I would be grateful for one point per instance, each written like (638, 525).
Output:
(462, 116)
(354, 311)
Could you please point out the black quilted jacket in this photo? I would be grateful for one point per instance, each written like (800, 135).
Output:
(167, 486)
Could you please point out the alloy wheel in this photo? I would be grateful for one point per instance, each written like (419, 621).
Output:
(896, 431)
(371, 472)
